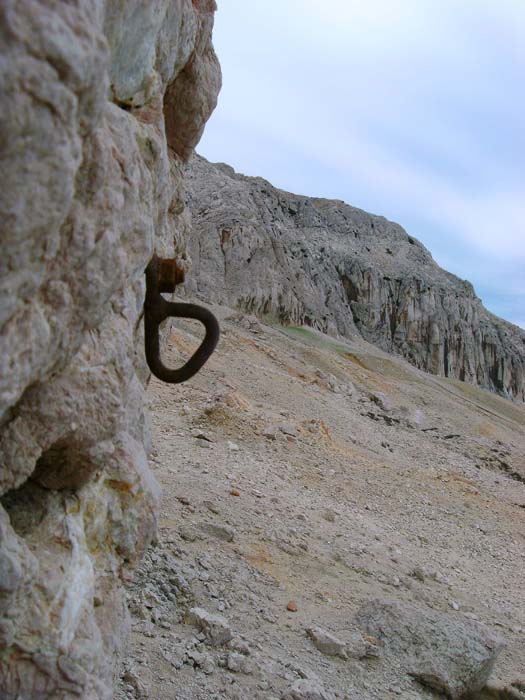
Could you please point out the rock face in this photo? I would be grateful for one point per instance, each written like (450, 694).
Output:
(328, 265)
(102, 101)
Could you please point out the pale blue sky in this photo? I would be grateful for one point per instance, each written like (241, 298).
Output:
(413, 109)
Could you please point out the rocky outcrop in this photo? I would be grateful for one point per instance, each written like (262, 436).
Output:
(326, 264)
(448, 653)
(101, 103)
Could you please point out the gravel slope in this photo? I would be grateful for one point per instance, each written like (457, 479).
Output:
(301, 469)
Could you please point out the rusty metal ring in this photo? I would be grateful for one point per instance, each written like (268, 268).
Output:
(163, 276)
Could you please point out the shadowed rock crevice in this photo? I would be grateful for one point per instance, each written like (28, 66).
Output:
(26, 507)
(65, 465)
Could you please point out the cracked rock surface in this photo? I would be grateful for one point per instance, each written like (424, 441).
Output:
(94, 136)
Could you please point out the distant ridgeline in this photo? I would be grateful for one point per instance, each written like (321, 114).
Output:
(323, 263)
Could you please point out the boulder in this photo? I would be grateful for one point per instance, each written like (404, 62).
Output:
(446, 652)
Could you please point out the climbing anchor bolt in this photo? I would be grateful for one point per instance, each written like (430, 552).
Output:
(162, 276)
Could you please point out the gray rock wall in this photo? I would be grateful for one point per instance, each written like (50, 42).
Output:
(101, 103)
(326, 264)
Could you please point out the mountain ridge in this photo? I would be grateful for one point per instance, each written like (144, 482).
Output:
(326, 264)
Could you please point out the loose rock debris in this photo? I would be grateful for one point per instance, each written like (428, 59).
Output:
(405, 565)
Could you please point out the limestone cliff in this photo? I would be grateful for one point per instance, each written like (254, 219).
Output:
(329, 265)
(102, 101)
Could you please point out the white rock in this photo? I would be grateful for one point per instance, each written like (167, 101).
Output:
(327, 643)
(305, 689)
(270, 432)
(204, 661)
(239, 664)
(215, 627)
(221, 532)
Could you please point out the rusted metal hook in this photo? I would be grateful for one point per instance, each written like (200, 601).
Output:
(162, 276)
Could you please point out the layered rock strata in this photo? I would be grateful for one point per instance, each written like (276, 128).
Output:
(326, 264)
(102, 101)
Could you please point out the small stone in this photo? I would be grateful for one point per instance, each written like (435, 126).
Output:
(189, 534)
(361, 646)
(305, 689)
(241, 646)
(215, 627)
(333, 384)
(211, 506)
(134, 682)
(326, 643)
(237, 663)
(329, 515)
(203, 443)
(232, 446)
(199, 435)
(270, 433)
(268, 616)
(235, 492)
(454, 605)
(292, 606)
(234, 662)
(372, 646)
(419, 574)
(382, 401)
(348, 388)
(221, 532)
(287, 429)
(203, 661)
